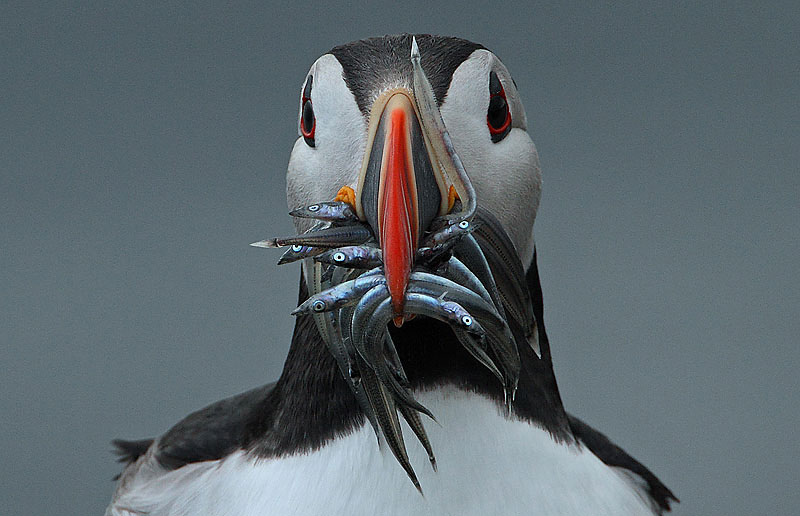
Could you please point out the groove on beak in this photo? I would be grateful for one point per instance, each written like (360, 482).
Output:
(397, 207)
(399, 192)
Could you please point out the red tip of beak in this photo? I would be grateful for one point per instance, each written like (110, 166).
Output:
(398, 211)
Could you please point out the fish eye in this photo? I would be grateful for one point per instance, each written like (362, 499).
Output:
(464, 224)
(318, 305)
(297, 248)
(338, 257)
(313, 207)
(466, 320)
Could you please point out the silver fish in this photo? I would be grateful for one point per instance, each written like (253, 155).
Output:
(470, 254)
(352, 257)
(440, 309)
(330, 237)
(331, 333)
(385, 409)
(343, 294)
(331, 211)
(372, 342)
(441, 143)
(393, 359)
(475, 347)
(456, 271)
(299, 252)
(448, 233)
(500, 338)
(415, 422)
(435, 286)
(364, 310)
(508, 271)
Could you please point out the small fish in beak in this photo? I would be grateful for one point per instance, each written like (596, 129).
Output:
(352, 257)
(299, 252)
(330, 237)
(343, 294)
(410, 176)
(338, 212)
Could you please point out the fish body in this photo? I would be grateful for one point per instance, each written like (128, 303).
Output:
(343, 294)
(448, 312)
(299, 252)
(331, 211)
(448, 233)
(336, 236)
(353, 257)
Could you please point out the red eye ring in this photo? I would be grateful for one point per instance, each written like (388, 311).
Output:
(308, 114)
(498, 115)
(506, 123)
(308, 122)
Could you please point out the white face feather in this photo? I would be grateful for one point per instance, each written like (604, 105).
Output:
(316, 173)
(506, 174)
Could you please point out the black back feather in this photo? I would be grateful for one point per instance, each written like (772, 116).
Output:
(613, 455)
(128, 451)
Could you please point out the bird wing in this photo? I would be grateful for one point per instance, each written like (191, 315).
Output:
(206, 435)
(614, 456)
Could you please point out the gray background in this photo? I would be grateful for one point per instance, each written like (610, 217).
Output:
(144, 146)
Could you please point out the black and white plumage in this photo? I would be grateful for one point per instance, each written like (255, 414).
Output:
(303, 445)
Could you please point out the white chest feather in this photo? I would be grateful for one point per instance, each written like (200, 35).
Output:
(488, 464)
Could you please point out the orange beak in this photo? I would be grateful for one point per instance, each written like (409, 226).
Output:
(397, 208)
(400, 194)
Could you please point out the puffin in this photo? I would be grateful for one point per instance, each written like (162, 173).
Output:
(415, 136)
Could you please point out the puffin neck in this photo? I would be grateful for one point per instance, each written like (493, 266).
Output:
(312, 404)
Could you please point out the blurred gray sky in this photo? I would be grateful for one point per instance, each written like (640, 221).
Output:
(143, 146)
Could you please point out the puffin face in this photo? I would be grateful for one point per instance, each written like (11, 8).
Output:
(367, 135)
(331, 157)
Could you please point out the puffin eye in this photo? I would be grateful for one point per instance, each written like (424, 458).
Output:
(498, 117)
(308, 123)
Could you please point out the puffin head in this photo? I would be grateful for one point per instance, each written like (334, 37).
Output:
(415, 136)
(411, 130)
